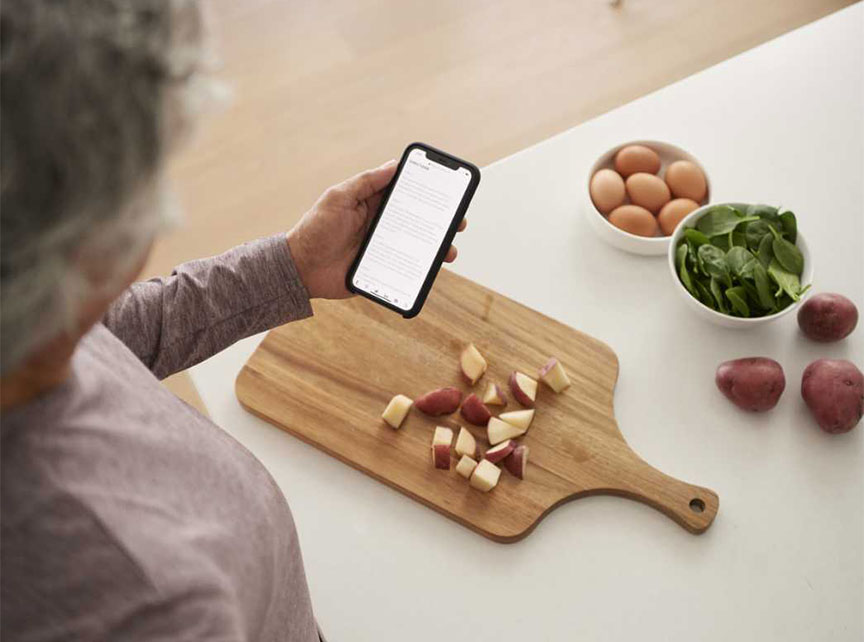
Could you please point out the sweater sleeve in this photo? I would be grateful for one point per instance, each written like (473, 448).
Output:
(206, 305)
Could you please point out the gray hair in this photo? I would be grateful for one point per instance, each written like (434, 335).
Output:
(93, 94)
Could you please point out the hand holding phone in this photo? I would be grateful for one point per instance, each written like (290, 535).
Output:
(412, 231)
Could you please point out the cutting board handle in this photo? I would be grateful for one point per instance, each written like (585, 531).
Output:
(693, 507)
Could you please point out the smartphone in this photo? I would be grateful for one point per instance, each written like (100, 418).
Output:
(413, 228)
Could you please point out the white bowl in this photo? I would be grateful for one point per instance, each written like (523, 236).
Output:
(718, 317)
(649, 246)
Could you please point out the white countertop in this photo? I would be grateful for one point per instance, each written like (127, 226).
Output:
(784, 560)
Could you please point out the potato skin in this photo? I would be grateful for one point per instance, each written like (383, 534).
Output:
(833, 390)
(752, 383)
(443, 401)
(827, 317)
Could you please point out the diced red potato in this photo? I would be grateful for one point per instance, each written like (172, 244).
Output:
(485, 476)
(499, 452)
(524, 389)
(396, 411)
(466, 466)
(519, 418)
(517, 461)
(442, 438)
(554, 376)
(494, 395)
(475, 411)
(499, 430)
(443, 401)
(833, 390)
(472, 363)
(466, 444)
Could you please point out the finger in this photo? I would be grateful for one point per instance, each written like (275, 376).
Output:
(451, 255)
(372, 181)
(463, 224)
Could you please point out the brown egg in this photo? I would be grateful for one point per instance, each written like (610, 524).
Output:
(607, 190)
(634, 219)
(636, 158)
(648, 191)
(686, 180)
(673, 212)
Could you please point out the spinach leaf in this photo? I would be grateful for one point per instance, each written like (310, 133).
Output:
(786, 281)
(755, 231)
(765, 212)
(721, 220)
(681, 255)
(713, 261)
(695, 237)
(736, 258)
(721, 241)
(705, 295)
(684, 273)
(787, 254)
(747, 269)
(765, 252)
(738, 298)
(763, 287)
(790, 226)
(717, 292)
(738, 238)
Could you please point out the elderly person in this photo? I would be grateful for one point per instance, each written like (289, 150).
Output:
(126, 515)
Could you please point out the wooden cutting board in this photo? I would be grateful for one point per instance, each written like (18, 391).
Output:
(327, 379)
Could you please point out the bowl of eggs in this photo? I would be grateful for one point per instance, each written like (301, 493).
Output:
(639, 192)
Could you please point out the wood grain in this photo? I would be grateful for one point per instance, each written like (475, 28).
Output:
(327, 379)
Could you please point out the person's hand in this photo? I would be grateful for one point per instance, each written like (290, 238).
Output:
(326, 240)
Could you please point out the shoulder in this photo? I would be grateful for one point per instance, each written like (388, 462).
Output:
(66, 574)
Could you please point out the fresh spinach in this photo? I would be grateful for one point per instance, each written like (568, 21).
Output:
(736, 258)
(721, 220)
(763, 287)
(713, 261)
(790, 226)
(738, 298)
(786, 281)
(787, 254)
(766, 252)
(744, 264)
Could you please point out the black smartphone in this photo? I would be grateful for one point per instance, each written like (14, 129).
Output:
(413, 228)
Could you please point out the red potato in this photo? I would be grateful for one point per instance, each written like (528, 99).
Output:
(753, 383)
(472, 363)
(519, 418)
(517, 461)
(554, 375)
(442, 438)
(499, 452)
(524, 389)
(466, 444)
(833, 390)
(499, 430)
(475, 411)
(827, 317)
(466, 466)
(396, 411)
(443, 401)
(485, 476)
(494, 395)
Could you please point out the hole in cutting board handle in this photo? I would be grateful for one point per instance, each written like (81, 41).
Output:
(697, 505)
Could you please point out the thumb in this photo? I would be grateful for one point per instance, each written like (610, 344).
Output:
(372, 181)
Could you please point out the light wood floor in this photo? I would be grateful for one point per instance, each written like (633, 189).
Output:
(323, 90)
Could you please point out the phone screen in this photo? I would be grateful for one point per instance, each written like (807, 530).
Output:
(410, 230)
